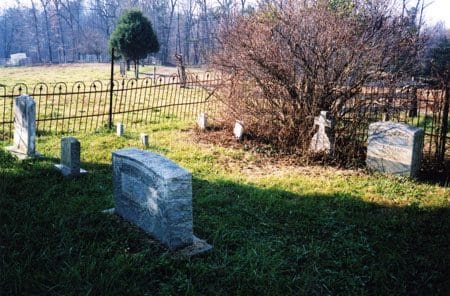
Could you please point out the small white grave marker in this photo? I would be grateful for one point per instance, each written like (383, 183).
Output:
(202, 121)
(120, 129)
(238, 130)
(144, 140)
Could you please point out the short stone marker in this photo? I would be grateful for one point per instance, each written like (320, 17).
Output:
(120, 129)
(24, 145)
(323, 139)
(202, 121)
(144, 140)
(70, 158)
(155, 193)
(238, 130)
(394, 148)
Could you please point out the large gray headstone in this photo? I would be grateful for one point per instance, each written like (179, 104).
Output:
(155, 193)
(394, 148)
(24, 144)
(70, 157)
(323, 139)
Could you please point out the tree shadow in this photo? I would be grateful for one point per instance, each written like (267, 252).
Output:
(266, 240)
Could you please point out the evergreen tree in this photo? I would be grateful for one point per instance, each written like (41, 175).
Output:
(134, 38)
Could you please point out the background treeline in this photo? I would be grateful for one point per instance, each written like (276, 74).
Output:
(60, 31)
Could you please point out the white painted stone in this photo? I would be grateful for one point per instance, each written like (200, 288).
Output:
(120, 130)
(394, 148)
(238, 130)
(202, 121)
(144, 140)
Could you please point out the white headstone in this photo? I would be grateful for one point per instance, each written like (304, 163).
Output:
(238, 130)
(70, 158)
(24, 144)
(202, 121)
(120, 129)
(323, 141)
(144, 140)
(394, 148)
(155, 193)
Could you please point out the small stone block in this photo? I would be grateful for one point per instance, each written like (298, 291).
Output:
(238, 130)
(144, 140)
(120, 130)
(202, 121)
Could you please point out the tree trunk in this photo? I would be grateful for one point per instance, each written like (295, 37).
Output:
(136, 69)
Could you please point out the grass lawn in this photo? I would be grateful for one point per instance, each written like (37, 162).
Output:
(276, 229)
(70, 73)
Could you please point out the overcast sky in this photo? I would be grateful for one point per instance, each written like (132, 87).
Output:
(438, 10)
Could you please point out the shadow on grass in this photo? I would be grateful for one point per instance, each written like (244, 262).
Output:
(55, 240)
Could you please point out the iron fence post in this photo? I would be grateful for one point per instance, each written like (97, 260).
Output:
(444, 127)
(111, 85)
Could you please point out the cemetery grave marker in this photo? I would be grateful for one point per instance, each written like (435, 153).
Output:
(394, 148)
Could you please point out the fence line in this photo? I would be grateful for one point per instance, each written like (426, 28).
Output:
(65, 108)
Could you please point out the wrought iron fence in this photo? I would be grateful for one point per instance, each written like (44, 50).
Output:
(65, 108)
(420, 106)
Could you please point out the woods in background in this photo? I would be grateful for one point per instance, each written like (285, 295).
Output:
(60, 31)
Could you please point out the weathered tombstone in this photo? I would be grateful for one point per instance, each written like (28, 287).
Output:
(24, 144)
(238, 130)
(155, 193)
(394, 148)
(120, 129)
(202, 121)
(323, 139)
(70, 158)
(144, 140)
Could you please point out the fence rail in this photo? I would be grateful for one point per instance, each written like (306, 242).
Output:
(65, 108)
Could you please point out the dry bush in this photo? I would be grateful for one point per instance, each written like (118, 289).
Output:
(283, 64)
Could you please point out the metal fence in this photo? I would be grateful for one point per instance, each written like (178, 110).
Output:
(420, 106)
(65, 108)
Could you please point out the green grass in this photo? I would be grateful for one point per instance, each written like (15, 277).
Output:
(70, 73)
(275, 229)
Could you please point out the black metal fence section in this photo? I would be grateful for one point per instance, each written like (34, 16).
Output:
(423, 107)
(63, 108)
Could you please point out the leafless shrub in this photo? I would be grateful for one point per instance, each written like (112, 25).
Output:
(287, 62)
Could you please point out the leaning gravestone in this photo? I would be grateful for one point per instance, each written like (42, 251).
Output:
(24, 145)
(394, 148)
(70, 158)
(155, 193)
(323, 139)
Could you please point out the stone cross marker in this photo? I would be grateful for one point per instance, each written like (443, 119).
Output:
(323, 139)
(202, 121)
(155, 193)
(394, 148)
(238, 130)
(24, 144)
(70, 158)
